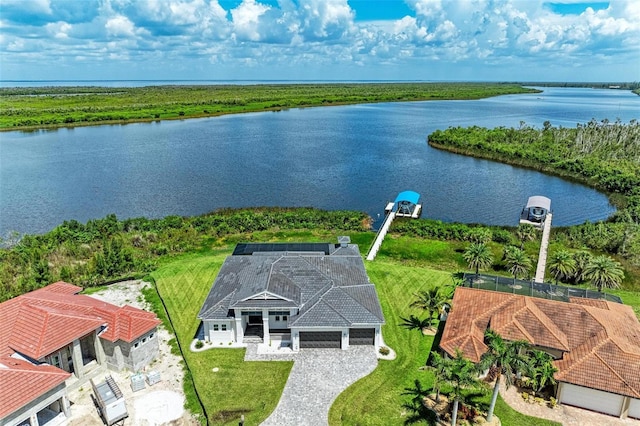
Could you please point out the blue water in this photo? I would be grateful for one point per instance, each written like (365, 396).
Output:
(355, 157)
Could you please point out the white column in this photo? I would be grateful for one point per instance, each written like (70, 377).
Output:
(295, 340)
(33, 420)
(345, 339)
(239, 330)
(378, 338)
(265, 326)
(66, 407)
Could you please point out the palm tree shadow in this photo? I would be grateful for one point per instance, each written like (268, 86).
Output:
(436, 340)
(418, 413)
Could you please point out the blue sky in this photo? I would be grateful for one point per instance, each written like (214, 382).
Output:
(477, 40)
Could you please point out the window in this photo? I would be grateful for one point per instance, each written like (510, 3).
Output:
(55, 361)
(284, 318)
(224, 327)
(277, 317)
(135, 345)
(151, 335)
(215, 327)
(144, 340)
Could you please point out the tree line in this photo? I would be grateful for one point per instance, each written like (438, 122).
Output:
(108, 249)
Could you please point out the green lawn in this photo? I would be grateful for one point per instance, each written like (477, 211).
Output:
(249, 388)
(376, 399)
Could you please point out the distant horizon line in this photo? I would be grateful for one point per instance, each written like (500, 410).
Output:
(327, 80)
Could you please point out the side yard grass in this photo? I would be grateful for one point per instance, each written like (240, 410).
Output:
(238, 387)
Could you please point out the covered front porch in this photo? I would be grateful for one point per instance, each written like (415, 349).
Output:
(262, 326)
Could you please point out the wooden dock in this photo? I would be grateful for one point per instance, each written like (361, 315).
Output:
(544, 245)
(381, 234)
(405, 205)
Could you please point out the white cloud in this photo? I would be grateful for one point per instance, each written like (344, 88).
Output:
(246, 19)
(322, 33)
(120, 26)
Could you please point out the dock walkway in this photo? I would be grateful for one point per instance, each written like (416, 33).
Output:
(544, 245)
(381, 234)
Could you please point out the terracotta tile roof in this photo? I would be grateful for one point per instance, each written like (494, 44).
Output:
(600, 340)
(40, 330)
(43, 321)
(21, 382)
(38, 323)
(59, 287)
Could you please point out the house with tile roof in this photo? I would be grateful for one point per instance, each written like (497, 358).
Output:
(53, 338)
(595, 343)
(313, 295)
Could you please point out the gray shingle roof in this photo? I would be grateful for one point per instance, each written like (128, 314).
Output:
(330, 290)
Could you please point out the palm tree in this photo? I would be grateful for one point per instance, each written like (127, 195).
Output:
(478, 256)
(415, 323)
(525, 232)
(507, 357)
(562, 265)
(582, 258)
(518, 263)
(461, 374)
(439, 366)
(604, 272)
(431, 300)
(541, 370)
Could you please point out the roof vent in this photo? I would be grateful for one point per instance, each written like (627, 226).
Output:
(344, 241)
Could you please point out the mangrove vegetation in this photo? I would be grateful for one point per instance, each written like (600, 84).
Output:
(46, 107)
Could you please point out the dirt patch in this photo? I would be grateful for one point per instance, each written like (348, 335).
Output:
(158, 404)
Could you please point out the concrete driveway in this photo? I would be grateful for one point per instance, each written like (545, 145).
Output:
(318, 376)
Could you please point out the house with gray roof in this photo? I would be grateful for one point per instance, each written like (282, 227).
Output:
(315, 295)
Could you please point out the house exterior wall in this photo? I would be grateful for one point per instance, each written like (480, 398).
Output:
(133, 356)
(143, 350)
(114, 354)
(278, 319)
(219, 331)
(49, 398)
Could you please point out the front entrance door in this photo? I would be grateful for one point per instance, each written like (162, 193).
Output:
(255, 319)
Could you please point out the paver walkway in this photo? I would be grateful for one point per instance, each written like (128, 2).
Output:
(318, 376)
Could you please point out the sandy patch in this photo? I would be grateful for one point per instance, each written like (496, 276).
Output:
(161, 403)
(158, 407)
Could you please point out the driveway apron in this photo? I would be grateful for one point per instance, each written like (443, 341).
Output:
(318, 376)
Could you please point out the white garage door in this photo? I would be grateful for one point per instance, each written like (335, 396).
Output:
(591, 399)
(634, 408)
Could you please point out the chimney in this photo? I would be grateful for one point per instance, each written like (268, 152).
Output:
(344, 241)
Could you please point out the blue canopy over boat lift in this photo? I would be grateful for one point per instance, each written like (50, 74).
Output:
(406, 204)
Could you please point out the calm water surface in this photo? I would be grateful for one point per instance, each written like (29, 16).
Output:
(349, 157)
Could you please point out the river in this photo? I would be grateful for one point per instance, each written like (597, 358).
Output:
(355, 157)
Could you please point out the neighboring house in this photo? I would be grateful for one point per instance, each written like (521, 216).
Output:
(595, 343)
(315, 294)
(53, 338)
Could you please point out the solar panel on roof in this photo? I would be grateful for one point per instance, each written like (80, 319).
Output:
(243, 249)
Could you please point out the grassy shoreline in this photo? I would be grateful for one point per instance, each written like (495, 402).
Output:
(54, 107)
